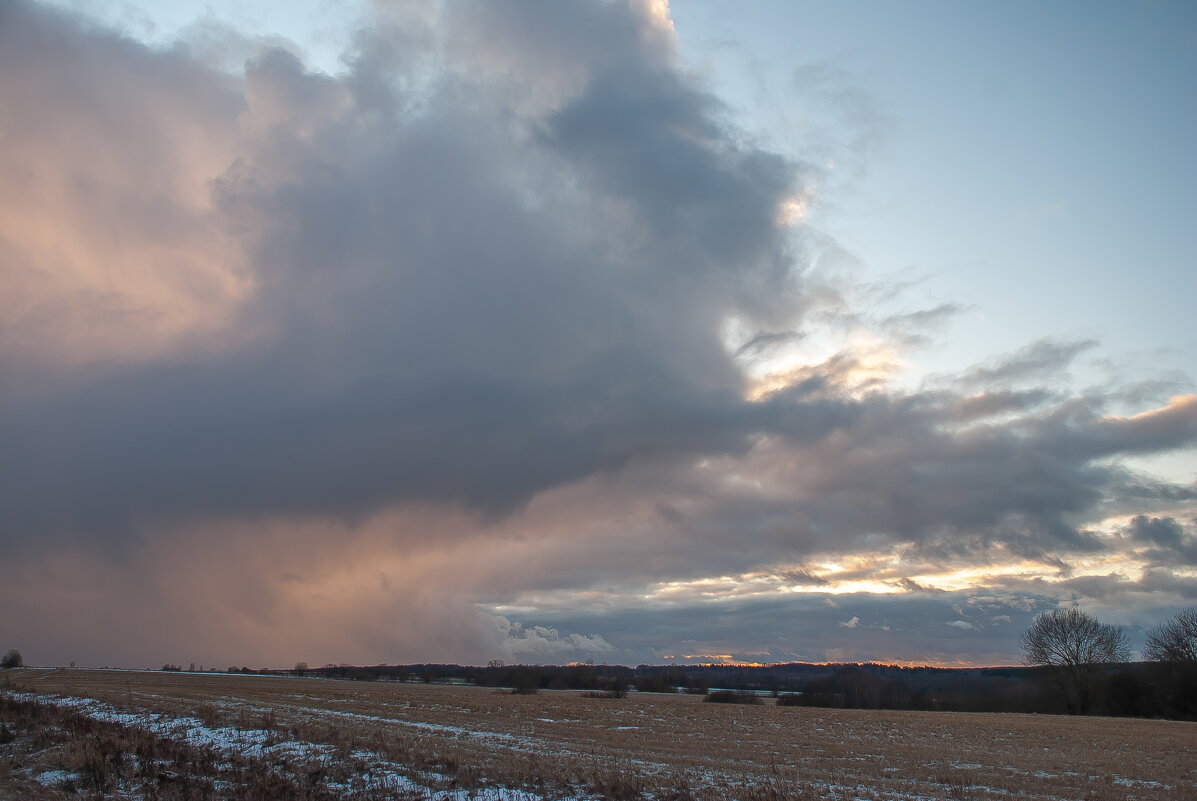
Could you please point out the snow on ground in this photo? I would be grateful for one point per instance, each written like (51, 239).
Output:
(512, 742)
(225, 741)
(54, 778)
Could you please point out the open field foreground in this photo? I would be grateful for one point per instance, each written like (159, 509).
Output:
(149, 735)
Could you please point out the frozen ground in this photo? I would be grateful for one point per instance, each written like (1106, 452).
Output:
(427, 742)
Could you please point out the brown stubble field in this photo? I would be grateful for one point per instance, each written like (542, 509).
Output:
(564, 744)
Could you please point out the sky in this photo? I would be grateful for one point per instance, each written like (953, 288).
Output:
(460, 330)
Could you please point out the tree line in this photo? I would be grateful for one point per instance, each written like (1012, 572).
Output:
(1072, 663)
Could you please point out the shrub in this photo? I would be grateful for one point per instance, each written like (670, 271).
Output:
(12, 659)
(525, 681)
(733, 697)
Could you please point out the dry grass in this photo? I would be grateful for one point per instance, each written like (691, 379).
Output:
(670, 746)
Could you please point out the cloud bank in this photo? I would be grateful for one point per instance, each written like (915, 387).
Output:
(458, 354)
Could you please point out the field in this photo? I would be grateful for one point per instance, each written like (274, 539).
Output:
(151, 735)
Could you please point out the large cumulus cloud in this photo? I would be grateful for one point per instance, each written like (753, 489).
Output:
(450, 298)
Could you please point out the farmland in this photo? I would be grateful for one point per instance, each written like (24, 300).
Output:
(197, 735)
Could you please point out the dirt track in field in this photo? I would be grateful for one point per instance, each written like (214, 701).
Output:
(553, 739)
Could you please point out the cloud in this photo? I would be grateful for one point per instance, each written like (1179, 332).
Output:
(767, 341)
(803, 576)
(111, 246)
(914, 328)
(1044, 359)
(446, 304)
(910, 585)
(1167, 534)
(429, 359)
(546, 644)
(990, 404)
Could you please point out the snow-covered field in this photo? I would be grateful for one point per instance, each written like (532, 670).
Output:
(324, 739)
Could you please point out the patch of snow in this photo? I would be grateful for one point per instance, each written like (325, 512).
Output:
(54, 778)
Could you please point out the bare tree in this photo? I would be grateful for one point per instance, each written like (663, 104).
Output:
(12, 659)
(1172, 645)
(1075, 645)
(1174, 640)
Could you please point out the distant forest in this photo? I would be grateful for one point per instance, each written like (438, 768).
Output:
(1129, 689)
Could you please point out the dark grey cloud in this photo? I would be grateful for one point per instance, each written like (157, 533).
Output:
(1170, 541)
(1166, 532)
(1163, 582)
(459, 304)
(1115, 589)
(897, 473)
